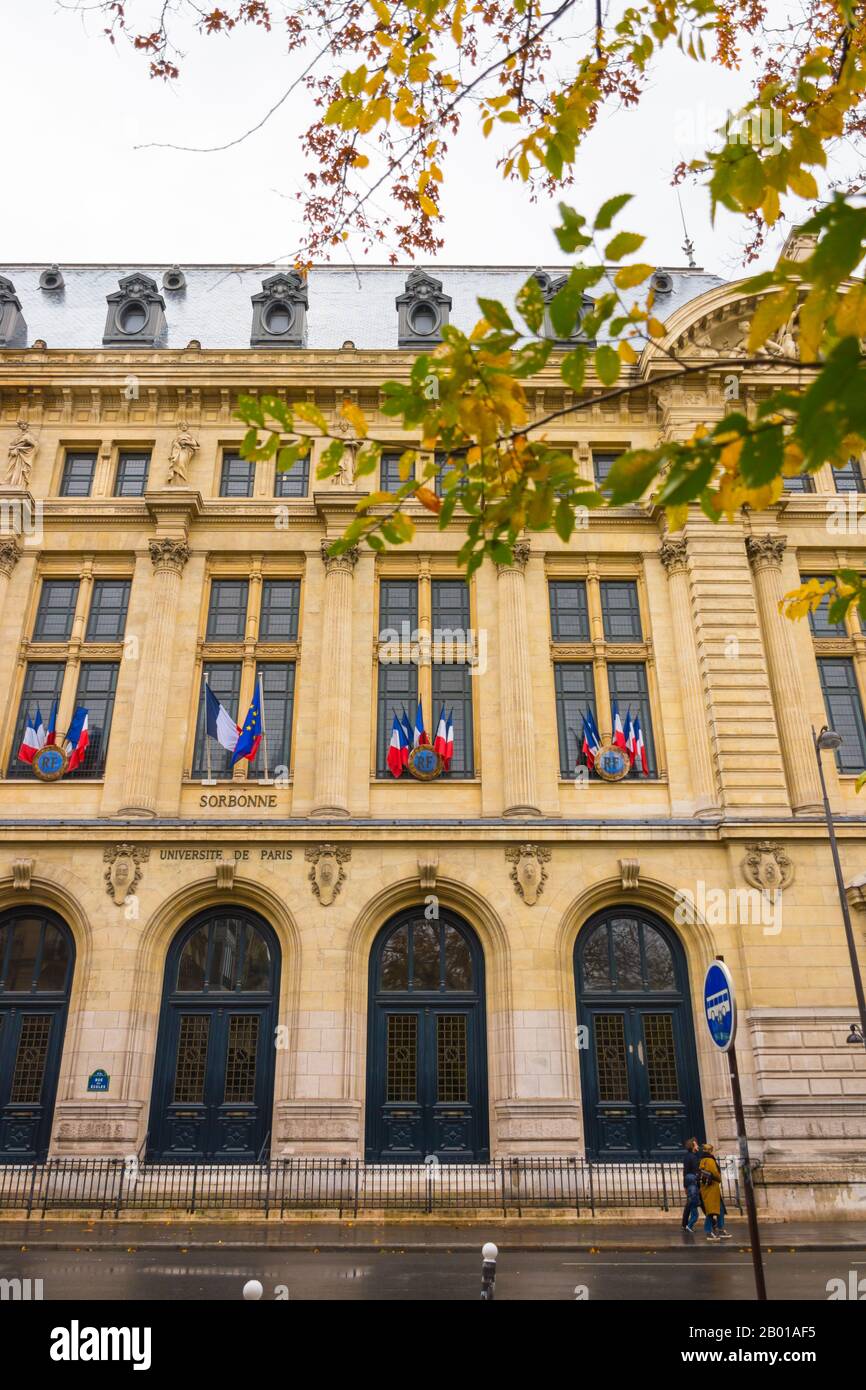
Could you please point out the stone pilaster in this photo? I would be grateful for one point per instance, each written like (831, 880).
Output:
(331, 794)
(168, 555)
(518, 724)
(765, 556)
(674, 556)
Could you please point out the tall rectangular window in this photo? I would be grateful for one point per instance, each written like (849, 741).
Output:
(398, 604)
(291, 482)
(398, 690)
(844, 711)
(620, 610)
(77, 477)
(819, 621)
(443, 470)
(43, 682)
(56, 610)
(227, 610)
(800, 482)
(849, 478)
(107, 618)
(224, 679)
(601, 466)
(628, 686)
(281, 600)
(575, 693)
(278, 688)
(132, 471)
(452, 688)
(97, 684)
(389, 472)
(237, 476)
(569, 615)
(450, 606)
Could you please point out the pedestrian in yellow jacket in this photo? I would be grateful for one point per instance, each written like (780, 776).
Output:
(710, 1178)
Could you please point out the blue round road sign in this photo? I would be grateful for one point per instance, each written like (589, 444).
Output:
(720, 1006)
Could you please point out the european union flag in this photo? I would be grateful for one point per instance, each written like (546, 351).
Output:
(251, 730)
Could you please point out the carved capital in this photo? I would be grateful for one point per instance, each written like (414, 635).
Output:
(673, 555)
(124, 870)
(339, 564)
(327, 872)
(528, 873)
(765, 552)
(168, 555)
(767, 866)
(521, 551)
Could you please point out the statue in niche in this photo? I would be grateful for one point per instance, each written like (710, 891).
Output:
(183, 449)
(22, 453)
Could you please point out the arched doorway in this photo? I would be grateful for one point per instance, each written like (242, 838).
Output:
(213, 1085)
(638, 1065)
(426, 1047)
(37, 956)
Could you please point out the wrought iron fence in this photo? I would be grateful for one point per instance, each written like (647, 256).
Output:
(345, 1186)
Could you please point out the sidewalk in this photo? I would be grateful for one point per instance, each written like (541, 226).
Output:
(514, 1234)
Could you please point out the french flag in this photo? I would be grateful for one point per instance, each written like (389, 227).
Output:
(218, 722)
(640, 748)
(449, 742)
(591, 741)
(440, 742)
(49, 734)
(395, 749)
(420, 738)
(78, 737)
(406, 731)
(630, 746)
(618, 730)
(30, 744)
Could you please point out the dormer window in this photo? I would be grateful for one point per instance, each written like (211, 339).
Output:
(422, 311)
(550, 286)
(280, 312)
(136, 314)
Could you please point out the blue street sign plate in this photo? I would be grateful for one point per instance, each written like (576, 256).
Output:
(720, 1005)
(98, 1080)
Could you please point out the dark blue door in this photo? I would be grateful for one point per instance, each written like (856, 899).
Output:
(639, 1076)
(36, 962)
(213, 1084)
(427, 1070)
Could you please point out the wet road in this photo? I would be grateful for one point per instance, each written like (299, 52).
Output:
(699, 1273)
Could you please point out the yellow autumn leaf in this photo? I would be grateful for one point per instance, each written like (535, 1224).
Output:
(851, 314)
(627, 352)
(356, 417)
(730, 455)
(428, 499)
(655, 328)
(360, 161)
(427, 205)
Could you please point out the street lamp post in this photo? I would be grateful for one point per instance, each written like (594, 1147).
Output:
(829, 739)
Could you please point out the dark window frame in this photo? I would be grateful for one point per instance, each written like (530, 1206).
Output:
(72, 458)
(125, 459)
(269, 612)
(97, 611)
(45, 610)
(561, 614)
(217, 612)
(231, 460)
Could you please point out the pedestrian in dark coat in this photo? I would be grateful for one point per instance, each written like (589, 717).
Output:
(691, 1183)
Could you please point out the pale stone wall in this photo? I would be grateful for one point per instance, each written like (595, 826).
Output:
(732, 701)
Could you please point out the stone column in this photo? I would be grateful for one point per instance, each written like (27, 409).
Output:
(765, 556)
(518, 724)
(10, 554)
(331, 794)
(674, 556)
(168, 556)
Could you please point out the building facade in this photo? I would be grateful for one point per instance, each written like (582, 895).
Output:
(312, 956)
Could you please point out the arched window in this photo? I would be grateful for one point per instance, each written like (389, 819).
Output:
(420, 956)
(225, 953)
(37, 956)
(625, 953)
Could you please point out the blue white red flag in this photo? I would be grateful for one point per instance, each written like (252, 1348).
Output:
(630, 747)
(640, 748)
(51, 731)
(449, 741)
(218, 722)
(406, 730)
(441, 740)
(420, 736)
(30, 744)
(78, 738)
(395, 749)
(591, 741)
(618, 730)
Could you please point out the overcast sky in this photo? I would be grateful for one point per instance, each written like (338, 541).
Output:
(74, 110)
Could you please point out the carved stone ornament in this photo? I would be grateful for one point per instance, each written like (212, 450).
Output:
(346, 562)
(13, 329)
(22, 452)
(124, 870)
(168, 554)
(673, 555)
(629, 874)
(225, 875)
(428, 865)
(765, 551)
(327, 872)
(528, 873)
(767, 866)
(22, 870)
(10, 554)
(520, 551)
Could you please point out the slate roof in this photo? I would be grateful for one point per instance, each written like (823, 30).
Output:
(344, 304)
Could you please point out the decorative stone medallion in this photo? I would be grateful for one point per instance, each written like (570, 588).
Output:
(327, 872)
(767, 866)
(528, 873)
(124, 870)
